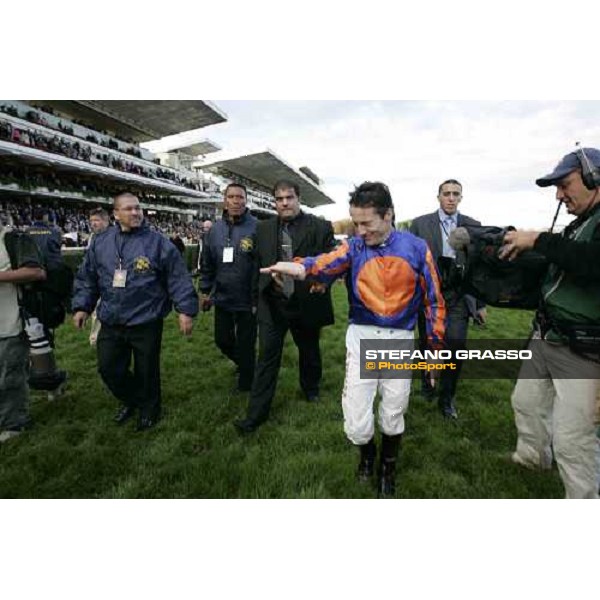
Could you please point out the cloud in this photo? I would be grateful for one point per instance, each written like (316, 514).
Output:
(496, 149)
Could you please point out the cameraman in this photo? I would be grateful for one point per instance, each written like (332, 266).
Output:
(556, 409)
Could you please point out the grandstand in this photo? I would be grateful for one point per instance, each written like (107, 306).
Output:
(81, 152)
(259, 172)
(70, 155)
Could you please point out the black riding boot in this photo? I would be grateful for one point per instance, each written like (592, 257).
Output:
(390, 444)
(368, 452)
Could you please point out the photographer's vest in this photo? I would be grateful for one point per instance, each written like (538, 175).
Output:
(568, 299)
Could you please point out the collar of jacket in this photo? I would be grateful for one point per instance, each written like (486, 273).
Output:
(583, 218)
(296, 219)
(442, 216)
(136, 230)
(242, 218)
(388, 240)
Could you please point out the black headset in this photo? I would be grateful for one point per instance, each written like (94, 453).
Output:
(590, 175)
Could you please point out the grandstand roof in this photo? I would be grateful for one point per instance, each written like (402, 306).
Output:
(141, 120)
(200, 147)
(265, 168)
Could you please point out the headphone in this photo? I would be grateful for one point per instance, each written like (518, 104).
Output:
(590, 175)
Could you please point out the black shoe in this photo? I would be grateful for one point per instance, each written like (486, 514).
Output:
(124, 414)
(366, 466)
(390, 446)
(313, 397)
(450, 414)
(245, 427)
(146, 422)
(447, 408)
(387, 480)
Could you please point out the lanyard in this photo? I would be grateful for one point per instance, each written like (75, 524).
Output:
(120, 244)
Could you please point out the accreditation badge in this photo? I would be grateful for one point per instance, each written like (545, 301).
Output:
(120, 278)
(228, 254)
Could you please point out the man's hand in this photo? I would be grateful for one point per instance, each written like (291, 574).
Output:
(433, 378)
(80, 318)
(277, 282)
(186, 324)
(516, 242)
(205, 302)
(434, 375)
(294, 270)
(481, 316)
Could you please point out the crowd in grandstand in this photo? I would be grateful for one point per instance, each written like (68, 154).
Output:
(73, 221)
(40, 117)
(79, 150)
(33, 178)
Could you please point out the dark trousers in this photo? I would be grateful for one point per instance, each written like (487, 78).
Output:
(456, 335)
(235, 336)
(271, 336)
(456, 339)
(117, 345)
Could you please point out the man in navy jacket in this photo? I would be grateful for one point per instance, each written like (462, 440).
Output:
(137, 274)
(48, 239)
(226, 272)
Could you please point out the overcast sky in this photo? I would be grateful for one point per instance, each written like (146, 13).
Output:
(496, 149)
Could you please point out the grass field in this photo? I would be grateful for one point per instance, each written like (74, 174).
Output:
(75, 451)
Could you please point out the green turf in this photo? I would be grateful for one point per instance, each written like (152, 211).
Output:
(75, 451)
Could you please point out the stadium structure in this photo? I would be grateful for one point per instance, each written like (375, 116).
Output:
(79, 153)
(259, 172)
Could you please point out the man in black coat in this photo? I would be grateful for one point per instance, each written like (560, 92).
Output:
(435, 229)
(283, 304)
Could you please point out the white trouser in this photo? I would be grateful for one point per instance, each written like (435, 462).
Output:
(557, 412)
(359, 394)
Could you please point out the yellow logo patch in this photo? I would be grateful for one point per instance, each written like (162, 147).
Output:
(246, 244)
(141, 264)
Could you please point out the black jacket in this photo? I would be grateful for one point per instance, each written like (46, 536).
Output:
(310, 236)
(580, 259)
(427, 227)
(49, 242)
